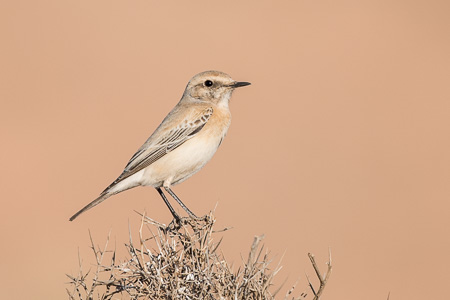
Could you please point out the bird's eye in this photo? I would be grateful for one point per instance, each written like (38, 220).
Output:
(208, 83)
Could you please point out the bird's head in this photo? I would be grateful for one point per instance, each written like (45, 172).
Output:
(212, 86)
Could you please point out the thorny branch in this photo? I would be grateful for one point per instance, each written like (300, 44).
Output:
(181, 262)
(322, 279)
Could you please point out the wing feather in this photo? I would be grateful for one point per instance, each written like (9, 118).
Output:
(151, 151)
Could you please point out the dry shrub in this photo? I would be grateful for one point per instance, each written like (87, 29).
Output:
(179, 262)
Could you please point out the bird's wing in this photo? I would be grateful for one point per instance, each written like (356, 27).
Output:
(154, 149)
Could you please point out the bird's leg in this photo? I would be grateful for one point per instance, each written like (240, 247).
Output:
(181, 203)
(174, 214)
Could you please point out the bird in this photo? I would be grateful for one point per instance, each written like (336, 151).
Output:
(182, 144)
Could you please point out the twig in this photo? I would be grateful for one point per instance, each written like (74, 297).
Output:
(179, 262)
(322, 279)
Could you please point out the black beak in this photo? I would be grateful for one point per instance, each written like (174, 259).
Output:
(239, 84)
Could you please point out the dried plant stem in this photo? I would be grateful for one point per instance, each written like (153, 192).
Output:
(322, 279)
(180, 261)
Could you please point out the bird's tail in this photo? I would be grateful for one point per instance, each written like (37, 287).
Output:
(97, 201)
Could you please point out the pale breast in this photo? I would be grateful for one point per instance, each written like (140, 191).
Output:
(186, 160)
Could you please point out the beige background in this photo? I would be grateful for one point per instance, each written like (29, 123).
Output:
(342, 140)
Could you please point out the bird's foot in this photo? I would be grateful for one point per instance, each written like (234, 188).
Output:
(176, 224)
(194, 217)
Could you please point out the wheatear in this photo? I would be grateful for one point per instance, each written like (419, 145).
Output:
(183, 143)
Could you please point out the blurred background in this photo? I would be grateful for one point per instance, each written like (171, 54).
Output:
(341, 141)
